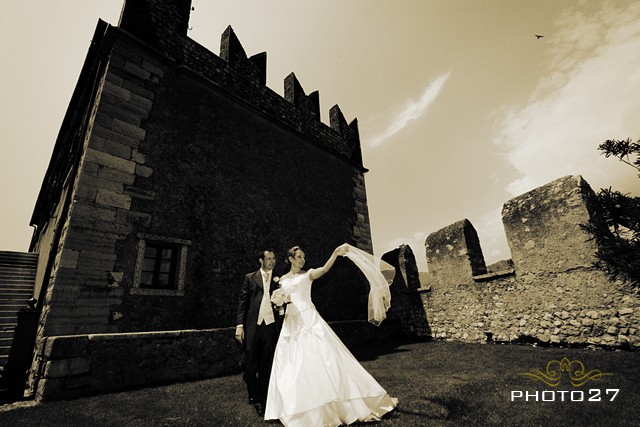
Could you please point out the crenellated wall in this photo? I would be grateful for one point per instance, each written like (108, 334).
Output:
(454, 252)
(543, 227)
(166, 143)
(549, 294)
(183, 146)
(406, 303)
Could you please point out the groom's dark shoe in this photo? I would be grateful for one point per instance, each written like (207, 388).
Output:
(259, 408)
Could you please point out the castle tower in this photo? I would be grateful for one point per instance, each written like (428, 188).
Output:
(173, 167)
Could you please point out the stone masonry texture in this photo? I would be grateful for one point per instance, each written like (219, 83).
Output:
(553, 295)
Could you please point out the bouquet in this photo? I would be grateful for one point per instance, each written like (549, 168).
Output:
(279, 298)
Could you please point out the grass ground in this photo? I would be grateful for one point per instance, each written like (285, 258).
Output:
(437, 384)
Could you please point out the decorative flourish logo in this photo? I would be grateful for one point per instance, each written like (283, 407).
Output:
(553, 373)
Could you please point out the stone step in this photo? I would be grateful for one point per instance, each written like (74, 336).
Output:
(20, 270)
(16, 278)
(21, 258)
(5, 288)
(14, 298)
(10, 297)
(5, 349)
(15, 291)
(24, 257)
(17, 270)
(13, 303)
(6, 305)
(9, 265)
(17, 275)
(12, 264)
(8, 313)
(16, 265)
(18, 256)
(10, 305)
(21, 303)
(16, 287)
(9, 279)
(17, 281)
(10, 301)
(8, 320)
(7, 329)
(7, 334)
(15, 310)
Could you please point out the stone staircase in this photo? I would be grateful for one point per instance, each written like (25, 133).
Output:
(17, 277)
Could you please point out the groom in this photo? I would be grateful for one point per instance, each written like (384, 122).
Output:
(257, 329)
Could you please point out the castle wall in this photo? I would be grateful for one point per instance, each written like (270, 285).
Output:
(191, 149)
(542, 227)
(80, 365)
(454, 253)
(231, 181)
(167, 145)
(554, 296)
(406, 302)
(84, 285)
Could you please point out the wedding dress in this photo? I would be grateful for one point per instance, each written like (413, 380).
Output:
(315, 380)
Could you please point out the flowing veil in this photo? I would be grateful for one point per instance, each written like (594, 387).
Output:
(379, 274)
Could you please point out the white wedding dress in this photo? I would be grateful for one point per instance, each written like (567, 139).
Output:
(315, 380)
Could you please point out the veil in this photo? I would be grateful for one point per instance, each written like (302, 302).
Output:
(379, 274)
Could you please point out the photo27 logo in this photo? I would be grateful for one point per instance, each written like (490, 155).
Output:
(568, 371)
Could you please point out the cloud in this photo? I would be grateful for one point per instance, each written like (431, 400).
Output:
(588, 97)
(413, 110)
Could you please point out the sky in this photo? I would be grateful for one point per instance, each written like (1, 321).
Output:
(460, 107)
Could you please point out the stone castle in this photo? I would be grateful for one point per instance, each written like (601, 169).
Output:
(173, 168)
(175, 165)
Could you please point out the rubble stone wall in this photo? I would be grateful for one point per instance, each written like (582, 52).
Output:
(550, 293)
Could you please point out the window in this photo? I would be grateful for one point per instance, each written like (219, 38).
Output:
(160, 266)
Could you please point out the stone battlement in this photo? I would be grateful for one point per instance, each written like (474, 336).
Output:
(242, 76)
(549, 293)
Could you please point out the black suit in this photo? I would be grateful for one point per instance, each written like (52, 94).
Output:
(259, 340)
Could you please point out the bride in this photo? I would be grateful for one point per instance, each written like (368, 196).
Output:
(315, 380)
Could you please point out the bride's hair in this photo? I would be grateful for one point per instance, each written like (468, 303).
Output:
(292, 253)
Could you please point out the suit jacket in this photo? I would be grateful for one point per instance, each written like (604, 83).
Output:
(249, 305)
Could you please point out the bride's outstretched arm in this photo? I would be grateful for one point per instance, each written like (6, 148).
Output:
(316, 273)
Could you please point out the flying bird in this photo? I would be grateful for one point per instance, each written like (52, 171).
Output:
(538, 36)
